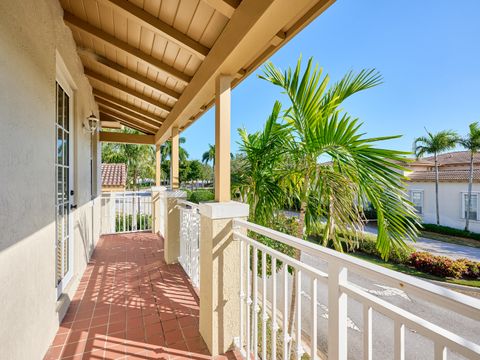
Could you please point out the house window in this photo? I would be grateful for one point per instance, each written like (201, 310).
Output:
(473, 206)
(416, 196)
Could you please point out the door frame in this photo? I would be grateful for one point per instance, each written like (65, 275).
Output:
(65, 80)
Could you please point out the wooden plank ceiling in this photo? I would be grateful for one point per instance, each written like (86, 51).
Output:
(151, 63)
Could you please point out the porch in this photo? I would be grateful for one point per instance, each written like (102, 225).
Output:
(131, 305)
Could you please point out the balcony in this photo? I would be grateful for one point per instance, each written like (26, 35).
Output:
(137, 301)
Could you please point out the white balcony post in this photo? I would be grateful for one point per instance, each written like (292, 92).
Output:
(219, 275)
(337, 312)
(156, 192)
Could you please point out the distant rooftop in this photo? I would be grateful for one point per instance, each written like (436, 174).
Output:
(451, 158)
(114, 174)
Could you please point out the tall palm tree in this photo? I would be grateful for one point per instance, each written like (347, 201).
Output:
(166, 150)
(359, 172)
(472, 143)
(435, 144)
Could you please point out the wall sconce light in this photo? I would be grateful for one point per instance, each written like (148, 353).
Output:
(91, 124)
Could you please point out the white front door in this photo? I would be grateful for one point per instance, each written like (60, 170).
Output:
(64, 193)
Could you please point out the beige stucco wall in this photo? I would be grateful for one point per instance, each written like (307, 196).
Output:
(31, 31)
(450, 204)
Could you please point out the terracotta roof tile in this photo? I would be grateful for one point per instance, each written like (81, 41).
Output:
(445, 176)
(114, 174)
(455, 157)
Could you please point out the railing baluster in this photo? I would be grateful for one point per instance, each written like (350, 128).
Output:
(313, 336)
(367, 332)
(399, 340)
(337, 312)
(255, 303)
(249, 302)
(286, 337)
(264, 305)
(124, 201)
(440, 351)
(298, 332)
(242, 294)
(274, 309)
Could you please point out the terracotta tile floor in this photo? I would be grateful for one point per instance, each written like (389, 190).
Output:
(131, 305)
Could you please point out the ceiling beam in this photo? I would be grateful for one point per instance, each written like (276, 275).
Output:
(107, 100)
(84, 26)
(243, 45)
(125, 89)
(226, 7)
(116, 137)
(129, 114)
(129, 73)
(156, 25)
(106, 116)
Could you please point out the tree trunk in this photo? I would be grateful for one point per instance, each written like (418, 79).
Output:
(436, 190)
(469, 202)
(297, 255)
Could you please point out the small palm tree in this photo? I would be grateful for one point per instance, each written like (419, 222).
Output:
(435, 144)
(209, 155)
(471, 143)
(166, 150)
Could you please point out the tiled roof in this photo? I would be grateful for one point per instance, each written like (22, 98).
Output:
(114, 174)
(451, 158)
(444, 176)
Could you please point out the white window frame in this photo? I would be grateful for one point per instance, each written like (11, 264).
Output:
(65, 80)
(463, 198)
(422, 193)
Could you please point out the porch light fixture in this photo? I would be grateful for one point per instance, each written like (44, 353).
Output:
(91, 124)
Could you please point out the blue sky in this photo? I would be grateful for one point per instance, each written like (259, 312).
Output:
(428, 52)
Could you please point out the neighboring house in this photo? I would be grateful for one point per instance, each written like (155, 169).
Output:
(453, 189)
(114, 177)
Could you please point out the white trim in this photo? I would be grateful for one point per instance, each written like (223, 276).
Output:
(422, 192)
(462, 200)
(65, 80)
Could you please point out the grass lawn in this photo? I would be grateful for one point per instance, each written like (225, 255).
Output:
(451, 239)
(414, 272)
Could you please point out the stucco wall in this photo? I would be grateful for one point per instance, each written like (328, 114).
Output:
(31, 31)
(449, 203)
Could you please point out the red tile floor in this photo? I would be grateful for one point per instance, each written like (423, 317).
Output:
(131, 305)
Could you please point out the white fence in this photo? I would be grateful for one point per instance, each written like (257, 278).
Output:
(190, 240)
(265, 312)
(127, 211)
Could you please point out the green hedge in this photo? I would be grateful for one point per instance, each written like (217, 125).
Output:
(198, 196)
(142, 219)
(446, 230)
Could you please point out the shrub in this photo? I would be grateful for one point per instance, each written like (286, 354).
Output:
(198, 196)
(446, 230)
(443, 266)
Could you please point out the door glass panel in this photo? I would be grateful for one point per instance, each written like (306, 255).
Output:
(62, 164)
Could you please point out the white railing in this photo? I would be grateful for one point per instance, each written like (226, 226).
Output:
(190, 240)
(327, 287)
(126, 212)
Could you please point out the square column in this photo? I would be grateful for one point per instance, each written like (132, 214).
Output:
(158, 211)
(174, 160)
(223, 85)
(220, 275)
(169, 223)
(156, 192)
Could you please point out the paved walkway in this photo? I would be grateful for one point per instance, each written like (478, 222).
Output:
(131, 305)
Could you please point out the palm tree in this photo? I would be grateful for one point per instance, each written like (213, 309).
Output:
(435, 144)
(209, 155)
(472, 143)
(166, 150)
(358, 173)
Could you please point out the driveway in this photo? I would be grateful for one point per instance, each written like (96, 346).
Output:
(441, 248)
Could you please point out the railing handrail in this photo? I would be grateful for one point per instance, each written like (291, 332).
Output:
(188, 203)
(460, 303)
